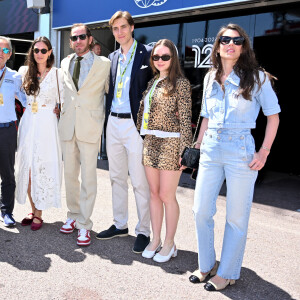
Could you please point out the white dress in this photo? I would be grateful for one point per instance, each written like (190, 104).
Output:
(39, 147)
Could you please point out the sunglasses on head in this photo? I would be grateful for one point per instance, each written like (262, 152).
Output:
(37, 50)
(74, 38)
(238, 40)
(5, 50)
(163, 57)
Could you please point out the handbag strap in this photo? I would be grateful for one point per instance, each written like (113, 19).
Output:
(198, 122)
(58, 88)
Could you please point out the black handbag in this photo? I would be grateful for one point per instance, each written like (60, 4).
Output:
(190, 157)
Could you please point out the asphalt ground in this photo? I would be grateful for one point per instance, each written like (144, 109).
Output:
(49, 265)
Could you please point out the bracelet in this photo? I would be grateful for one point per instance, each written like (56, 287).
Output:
(266, 148)
(199, 143)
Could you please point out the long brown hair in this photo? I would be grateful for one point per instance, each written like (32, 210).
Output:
(31, 83)
(246, 67)
(174, 70)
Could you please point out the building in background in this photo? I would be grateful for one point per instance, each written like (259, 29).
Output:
(273, 26)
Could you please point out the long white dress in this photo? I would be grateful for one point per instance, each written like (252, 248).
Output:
(39, 147)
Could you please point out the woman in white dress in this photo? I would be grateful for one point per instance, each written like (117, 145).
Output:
(39, 159)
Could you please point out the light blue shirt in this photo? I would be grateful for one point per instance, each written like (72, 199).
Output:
(11, 87)
(85, 66)
(226, 110)
(122, 104)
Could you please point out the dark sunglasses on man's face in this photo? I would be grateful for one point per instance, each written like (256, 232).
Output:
(37, 50)
(238, 40)
(5, 50)
(163, 57)
(74, 38)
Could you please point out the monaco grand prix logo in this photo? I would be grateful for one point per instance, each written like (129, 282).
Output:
(148, 3)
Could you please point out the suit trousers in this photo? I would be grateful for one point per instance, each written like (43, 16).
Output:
(8, 146)
(81, 157)
(124, 150)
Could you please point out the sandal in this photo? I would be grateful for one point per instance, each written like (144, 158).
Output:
(36, 226)
(26, 221)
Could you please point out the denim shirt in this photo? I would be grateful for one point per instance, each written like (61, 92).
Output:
(228, 110)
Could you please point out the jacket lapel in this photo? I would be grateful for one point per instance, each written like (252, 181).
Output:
(114, 67)
(67, 70)
(139, 53)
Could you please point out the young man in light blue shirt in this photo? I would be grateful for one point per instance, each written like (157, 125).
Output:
(10, 87)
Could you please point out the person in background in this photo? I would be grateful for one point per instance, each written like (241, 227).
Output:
(165, 120)
(129, 75)
(80, 126)
(39, 158)
(97, 49)
(10, 87)
(234, 91)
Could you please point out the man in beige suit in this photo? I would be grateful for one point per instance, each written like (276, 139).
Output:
(80, 128)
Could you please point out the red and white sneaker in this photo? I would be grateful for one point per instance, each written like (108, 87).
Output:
(68, 227)
(84, 237)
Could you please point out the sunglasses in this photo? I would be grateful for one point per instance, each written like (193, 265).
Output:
(5, 50)
(163, 57)
(238, 40)
(82, 37)
(37, 50)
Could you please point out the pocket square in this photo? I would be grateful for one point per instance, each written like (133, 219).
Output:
(144, 67)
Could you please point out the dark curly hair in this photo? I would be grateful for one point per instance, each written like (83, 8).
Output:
(246, 67)
(31, 83)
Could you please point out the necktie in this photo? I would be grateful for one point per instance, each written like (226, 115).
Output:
(76, 71)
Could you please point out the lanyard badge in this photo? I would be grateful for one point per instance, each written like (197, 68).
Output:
(1, 81)
(146, 115)
(120, 84)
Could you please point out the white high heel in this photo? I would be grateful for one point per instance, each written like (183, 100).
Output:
(149, 254)
(162, 258)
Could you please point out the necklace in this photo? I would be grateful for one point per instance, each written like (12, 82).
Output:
(40, 78)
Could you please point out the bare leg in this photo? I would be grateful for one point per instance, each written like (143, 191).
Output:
(156, 206)
(36, 212)
(167, 193)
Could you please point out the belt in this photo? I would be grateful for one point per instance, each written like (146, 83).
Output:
(122, 115)
(6, 124)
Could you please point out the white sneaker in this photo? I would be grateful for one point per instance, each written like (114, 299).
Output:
(68, 227)
(84, 237)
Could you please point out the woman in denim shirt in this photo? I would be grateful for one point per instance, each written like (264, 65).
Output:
(235, 90)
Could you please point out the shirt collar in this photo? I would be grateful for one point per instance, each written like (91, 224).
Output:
(85, 56)
(130, 50)
(233, 78)
(2, 70)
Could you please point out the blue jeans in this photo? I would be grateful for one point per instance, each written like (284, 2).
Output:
(225, 153)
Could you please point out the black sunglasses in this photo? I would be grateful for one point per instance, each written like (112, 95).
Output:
(163, 57)
(74, 38)
(37, 50)
(238, 40)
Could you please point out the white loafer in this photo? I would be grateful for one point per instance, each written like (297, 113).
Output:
(149, 254)
(161, 258)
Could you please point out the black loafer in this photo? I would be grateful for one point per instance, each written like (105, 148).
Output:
(141, 243)
(112, 232)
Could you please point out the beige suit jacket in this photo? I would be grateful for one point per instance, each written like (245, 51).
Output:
(83, 110)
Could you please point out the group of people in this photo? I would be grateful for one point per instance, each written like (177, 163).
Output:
(148, 125)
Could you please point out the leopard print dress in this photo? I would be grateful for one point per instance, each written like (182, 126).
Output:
(169, 114)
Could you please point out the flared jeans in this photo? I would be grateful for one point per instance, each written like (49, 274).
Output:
(225, 154)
